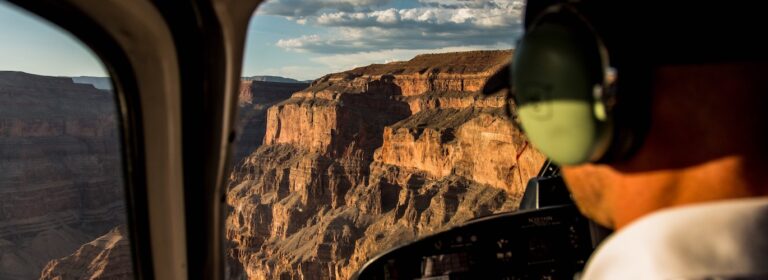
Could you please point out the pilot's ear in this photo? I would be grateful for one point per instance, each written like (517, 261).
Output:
(499, 81)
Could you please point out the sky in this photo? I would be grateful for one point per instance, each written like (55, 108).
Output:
(29, 44)
(298, 39)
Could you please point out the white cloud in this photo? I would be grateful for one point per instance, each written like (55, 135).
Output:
(299, 43)
(300, 8)
(462, 15)
(437, 24)
(355, 33)
(472, 14)
(389, 16)
(455, 4)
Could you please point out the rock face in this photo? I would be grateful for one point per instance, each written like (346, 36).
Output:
(371, 158)
(254, 99)
(60, 170)
(106, 258)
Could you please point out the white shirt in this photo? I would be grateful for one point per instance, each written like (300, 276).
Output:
(717, 240)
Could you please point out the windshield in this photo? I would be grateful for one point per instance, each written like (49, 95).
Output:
(62, 199)
(362, 127)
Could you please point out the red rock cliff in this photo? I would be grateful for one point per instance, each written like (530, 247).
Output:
(105, 258)
(60, 175)
(254, 99)
(372, 158)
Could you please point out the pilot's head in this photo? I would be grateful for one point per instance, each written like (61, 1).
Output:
(646, 104)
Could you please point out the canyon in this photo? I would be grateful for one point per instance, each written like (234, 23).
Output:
(105, 258)
(254, 98)
(60, 170)
(326, 174)
(59, 147)
(371, 158)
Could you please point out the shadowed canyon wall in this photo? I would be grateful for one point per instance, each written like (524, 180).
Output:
(371, 158)
(254, 99)
(60, 170)
(327, 174)
(105, 258)
(77, 255)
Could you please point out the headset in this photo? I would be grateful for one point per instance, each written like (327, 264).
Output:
(574, 103)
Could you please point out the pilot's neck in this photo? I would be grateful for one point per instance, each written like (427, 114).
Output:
(706, 142)
(639, 194)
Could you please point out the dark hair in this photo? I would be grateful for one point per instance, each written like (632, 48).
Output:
(662, 32)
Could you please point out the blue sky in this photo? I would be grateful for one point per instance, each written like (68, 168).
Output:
(28, 44)
(299, 39)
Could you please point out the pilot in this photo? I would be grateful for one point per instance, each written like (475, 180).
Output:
(671, 153)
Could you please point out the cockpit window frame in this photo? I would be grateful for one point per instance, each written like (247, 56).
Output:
(129, 117)
(139, 56)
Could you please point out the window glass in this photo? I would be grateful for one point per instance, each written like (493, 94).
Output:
(363, 128)
(62, 203)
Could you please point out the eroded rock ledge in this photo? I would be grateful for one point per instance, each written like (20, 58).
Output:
(371, 158)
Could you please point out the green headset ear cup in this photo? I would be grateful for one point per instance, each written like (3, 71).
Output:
(557, 73)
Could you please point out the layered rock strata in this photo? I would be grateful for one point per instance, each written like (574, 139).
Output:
(60, 170)
(254, 99)
(372, 158)
(105, 258)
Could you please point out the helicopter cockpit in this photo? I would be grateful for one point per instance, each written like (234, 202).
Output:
(381, 139)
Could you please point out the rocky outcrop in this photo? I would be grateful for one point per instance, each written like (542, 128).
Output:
(254, 99)
(474, 143)
(60, 173)
(106, 258)
(372, 158)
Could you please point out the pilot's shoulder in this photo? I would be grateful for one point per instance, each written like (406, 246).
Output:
(717, 240)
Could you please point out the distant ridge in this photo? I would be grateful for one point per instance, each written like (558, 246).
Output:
(448, 63)
(97, 82)
(104, 83)
(275, 79)
(368, 159)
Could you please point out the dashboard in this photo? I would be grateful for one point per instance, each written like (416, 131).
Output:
(548, 238)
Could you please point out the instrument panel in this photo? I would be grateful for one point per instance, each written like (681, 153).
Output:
(547, 243)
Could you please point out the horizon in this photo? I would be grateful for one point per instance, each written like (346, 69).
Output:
(301, 41)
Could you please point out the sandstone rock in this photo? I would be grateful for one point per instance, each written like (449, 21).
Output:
(254, 99)
(26, 260)
(60, 170)
(475, 143)
(371, 158)
(106, 258)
